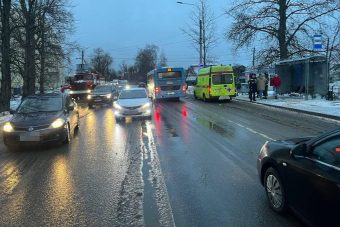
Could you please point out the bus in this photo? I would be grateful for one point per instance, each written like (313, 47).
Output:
(215, 83)
(166, 83)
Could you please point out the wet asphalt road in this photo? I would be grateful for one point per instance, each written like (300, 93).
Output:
(193, 164)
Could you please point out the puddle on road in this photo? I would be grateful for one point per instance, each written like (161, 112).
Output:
(169, 128)
(229, 132)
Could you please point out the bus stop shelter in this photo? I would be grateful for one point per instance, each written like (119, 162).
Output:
(306, 76)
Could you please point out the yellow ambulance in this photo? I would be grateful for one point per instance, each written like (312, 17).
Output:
(215, 83)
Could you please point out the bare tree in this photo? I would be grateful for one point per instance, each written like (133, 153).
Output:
(54, 21)
(282, 26)
(163, 61)
(145, 61)
(201, 31)
(5, 9)
(101, 62)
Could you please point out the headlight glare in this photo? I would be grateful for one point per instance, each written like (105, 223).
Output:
(8, 127)
(108, 96)
(117, 106)
(58, 123)
(89, 96)
(147, 105)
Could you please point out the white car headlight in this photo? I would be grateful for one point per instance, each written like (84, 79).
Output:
(89, 96)
(58, 123)
(8, 127)
(108, 96)
(117, 106)
(147, 105)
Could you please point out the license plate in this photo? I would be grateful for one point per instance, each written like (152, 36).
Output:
(131, 112)
(30, 136)
(171, 93)
(223, 97)
(97, 100)
(169, 82)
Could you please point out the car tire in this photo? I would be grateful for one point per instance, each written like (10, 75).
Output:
(204, 98)
(119, 119)
(275, 190)
(68, 135)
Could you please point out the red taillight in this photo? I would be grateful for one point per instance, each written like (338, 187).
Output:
(184, 88)
(209, 89)
(157, 90)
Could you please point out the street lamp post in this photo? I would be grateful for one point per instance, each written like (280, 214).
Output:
(200, 25)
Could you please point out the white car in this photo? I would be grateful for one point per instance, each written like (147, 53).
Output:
(133, 102)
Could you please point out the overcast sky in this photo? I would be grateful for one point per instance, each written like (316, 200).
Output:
(123, 27)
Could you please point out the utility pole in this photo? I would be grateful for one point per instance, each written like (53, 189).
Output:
(253, 57)
(82, 59)
(200, 41)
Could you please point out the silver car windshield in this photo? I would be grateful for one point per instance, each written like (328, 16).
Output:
(133, 94)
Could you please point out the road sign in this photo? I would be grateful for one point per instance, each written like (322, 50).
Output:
(317, 42)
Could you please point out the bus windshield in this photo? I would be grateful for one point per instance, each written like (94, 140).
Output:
(224, 78)
(169, 75)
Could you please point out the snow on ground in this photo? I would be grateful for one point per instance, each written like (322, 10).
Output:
(316, 105)
(6, 116)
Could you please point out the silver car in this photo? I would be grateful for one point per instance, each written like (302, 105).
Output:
(133, 102)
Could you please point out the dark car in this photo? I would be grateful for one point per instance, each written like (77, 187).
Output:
(304, 175)
(102, 94)
(41, 119)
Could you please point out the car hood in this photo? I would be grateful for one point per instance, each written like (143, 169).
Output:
(132, 102)
(35, 119)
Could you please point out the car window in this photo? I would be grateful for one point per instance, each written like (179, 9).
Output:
(328, 151)
(40, 104)
(133, 94)
(222, 78)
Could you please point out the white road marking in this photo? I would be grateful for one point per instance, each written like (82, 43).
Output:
(252, 130)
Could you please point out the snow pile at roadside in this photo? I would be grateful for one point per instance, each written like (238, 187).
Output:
(312, 105)
(316, 105)
(5, 116)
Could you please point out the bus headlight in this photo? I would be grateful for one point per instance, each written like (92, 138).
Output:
(108, 96)
(88, 91)
(8, 127)
(89, 97)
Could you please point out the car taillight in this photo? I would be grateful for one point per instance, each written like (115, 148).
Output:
(157, 90)
(184, 88)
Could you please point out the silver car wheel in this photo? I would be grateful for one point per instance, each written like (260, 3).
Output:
(274, 191)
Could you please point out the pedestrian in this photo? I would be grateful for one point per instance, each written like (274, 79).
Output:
(276, 82)
(260, 83)
(252, 87)
(265, 92)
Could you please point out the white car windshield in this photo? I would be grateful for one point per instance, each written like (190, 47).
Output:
(133, 94)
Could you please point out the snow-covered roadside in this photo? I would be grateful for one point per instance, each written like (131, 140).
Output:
(6, 116)
(316, 105)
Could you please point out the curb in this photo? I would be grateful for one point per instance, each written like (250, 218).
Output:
(295, 110)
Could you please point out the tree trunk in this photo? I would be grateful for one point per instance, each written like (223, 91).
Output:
(5, 52)
(282, 30)
(42, 57)
(29, 67)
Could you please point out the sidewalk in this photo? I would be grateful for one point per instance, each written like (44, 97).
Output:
(318, 107)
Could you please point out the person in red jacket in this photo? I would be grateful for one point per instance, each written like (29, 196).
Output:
(276, 82)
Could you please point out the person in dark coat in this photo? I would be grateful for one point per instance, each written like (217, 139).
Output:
(265, 93)
(252, 87)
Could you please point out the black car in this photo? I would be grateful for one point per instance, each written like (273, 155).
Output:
(102, 94)
(41, 119)
(304, 175)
